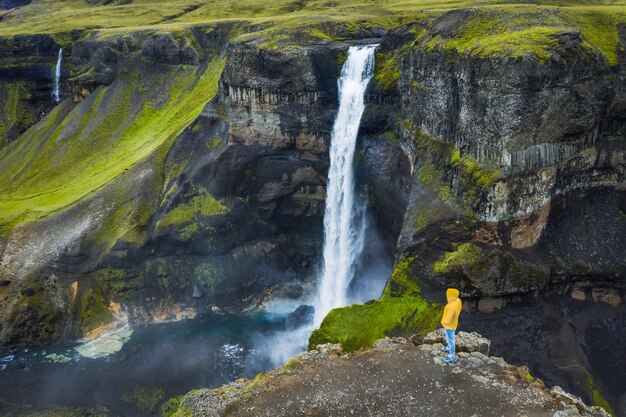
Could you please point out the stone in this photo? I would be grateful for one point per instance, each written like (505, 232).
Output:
(472, 342)
(490, 304)
(301, 316)
(465, 342)
(330, 349)
(578, 294)
(417, 339)
(606, 295)
(436, 336)
(389, 343)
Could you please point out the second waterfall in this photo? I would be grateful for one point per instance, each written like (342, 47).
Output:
(343, 217)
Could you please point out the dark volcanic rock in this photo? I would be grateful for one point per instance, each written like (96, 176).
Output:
(565, 337)
(301, 316)
(163, 49)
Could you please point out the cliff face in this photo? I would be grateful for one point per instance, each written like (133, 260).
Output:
(199, 207)
(26, 79)
(528, 155)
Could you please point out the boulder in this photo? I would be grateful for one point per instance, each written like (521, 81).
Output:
(465, 342)
(301, 316)
(606, 295)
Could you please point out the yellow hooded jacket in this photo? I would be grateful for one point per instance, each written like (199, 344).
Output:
(450, 319)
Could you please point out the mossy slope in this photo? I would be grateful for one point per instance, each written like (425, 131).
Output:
(69, 155)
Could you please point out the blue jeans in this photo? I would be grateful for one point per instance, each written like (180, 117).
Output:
(450, 340)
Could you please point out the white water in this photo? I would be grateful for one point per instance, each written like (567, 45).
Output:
(56, 92)
(343, 216)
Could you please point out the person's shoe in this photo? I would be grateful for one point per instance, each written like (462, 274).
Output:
(448, 359)
(445, 349)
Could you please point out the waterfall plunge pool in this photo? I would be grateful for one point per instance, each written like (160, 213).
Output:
(158, 361)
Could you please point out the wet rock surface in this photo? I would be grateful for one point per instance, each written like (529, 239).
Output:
(394, 378)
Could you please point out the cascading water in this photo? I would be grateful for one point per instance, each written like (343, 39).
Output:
(56, 91)
(343, 216)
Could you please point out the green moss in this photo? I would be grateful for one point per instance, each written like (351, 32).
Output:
(15, 112)
(432, 178)
(359, 326)
(480, 176)
(465, 255)
(37, 305)
(399, 312)
(94, 311)
(185, 217)
(292, 363)
(145, 399)
(599, 26)
(526, 30)
(174, 408)
(439, 163)
(403, 275)
(387, 70)
(425, 217)
(170, 407)
(341, 58)
(486, 34)
(208, 276)
(115, 284)
(528, 377)
(597, 397)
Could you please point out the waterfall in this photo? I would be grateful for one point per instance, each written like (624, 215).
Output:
(56, 92)
(343, 215)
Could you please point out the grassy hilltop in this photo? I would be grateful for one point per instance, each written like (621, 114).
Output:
(513, 27)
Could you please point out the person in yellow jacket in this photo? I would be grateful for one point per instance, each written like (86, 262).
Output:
(450, 321)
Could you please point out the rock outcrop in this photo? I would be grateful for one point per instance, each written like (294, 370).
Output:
(395, 378)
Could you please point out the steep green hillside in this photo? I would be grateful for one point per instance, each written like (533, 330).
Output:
(74, 151)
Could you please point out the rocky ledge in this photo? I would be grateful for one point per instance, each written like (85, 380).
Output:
(397, 377)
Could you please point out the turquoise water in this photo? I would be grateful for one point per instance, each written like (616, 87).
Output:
(174, 358)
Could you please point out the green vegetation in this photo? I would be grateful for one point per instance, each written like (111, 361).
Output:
(94, 311)
(439, 162)
(494, 27)
(399, 312)
(72, 153)
(465, 255)
(597, 397)
(39, 308)
(517, 30)
(114, 284)
(13, 110)
(203, 204)
(145, 399)
(387, 70)
(480, 176)
(360, 325)
(402, 275)
(174, 407)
